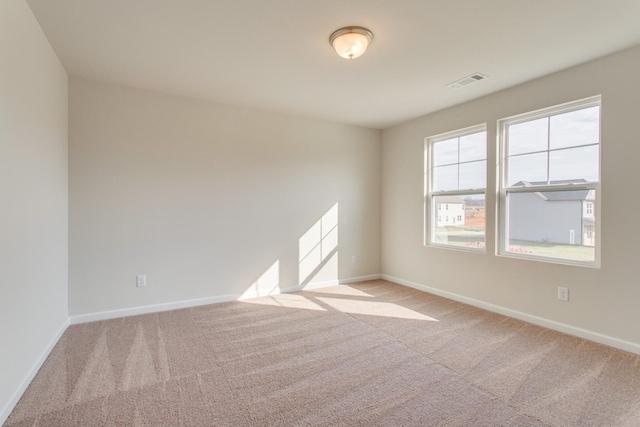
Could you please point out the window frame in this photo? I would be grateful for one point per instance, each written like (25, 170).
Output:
(430, 210)
(503, 189)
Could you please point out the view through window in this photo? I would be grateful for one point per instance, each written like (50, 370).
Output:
(455, 184)
(550, 177)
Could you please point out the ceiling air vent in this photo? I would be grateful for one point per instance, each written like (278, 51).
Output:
(466, 81)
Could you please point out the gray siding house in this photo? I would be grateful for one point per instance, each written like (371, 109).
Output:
(562, 217)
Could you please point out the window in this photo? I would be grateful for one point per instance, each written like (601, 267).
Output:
(589, 231)
(589, 209)
(455, 181)
(549, 184)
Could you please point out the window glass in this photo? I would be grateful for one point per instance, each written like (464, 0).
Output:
(473, 147)
(574, 164)
(445, 152)
(464, 226)
(581, 127)
(445, 178)
(549, 186)
(528, 167)
(455, 183)
(473, 175)
(528, 137)
(550, 224)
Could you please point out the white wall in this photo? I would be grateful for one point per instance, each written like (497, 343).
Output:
(205, 199)
(33, 199)
(605, 300)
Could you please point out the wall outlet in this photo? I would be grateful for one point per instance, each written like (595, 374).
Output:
(353, 259)
(563, 293)
(141, 280)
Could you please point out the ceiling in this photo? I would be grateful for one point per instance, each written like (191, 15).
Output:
(275, 55)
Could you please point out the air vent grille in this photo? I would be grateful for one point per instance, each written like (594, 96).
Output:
(466, 81)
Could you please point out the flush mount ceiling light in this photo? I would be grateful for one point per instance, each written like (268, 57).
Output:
(351, 42)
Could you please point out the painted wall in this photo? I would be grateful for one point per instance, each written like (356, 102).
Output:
(209, 200)
(33, 194)
(604, 300)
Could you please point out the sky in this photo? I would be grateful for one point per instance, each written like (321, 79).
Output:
(560, 147)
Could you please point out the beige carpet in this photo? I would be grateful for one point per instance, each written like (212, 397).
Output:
(369, 354)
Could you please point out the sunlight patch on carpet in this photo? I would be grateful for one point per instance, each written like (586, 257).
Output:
(286, 300)
(373, 308)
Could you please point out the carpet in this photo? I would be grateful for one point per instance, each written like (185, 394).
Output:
(368, 354)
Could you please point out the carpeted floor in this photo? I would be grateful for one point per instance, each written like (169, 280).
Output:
(369, 354)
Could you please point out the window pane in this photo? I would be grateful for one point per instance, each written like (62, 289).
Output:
(473, 175)
(445, 178)
(473, 147)
(552, 224)
(459, 221)
(574, 164)
(528, 137)
(445, 152)
(579, 127)
(528, 167)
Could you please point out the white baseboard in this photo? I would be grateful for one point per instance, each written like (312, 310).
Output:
(540, 321)
(361, 279)
(6, 411)
(152, 308)
(155, 308)
(318, 285)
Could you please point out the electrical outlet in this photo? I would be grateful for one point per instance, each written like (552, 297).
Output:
(563, 293)
(353, 259)
(141, 280)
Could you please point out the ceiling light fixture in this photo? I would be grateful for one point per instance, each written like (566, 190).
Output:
(351, 42)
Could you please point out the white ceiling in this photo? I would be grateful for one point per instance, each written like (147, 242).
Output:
(274, 54)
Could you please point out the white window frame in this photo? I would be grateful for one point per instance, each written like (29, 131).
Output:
(430, 211)
(504, 189)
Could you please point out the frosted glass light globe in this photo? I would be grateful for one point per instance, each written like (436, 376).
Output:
(351, 42)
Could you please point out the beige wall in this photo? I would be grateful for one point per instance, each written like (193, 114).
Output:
(603, 301)
(33, 206)
(209, 200)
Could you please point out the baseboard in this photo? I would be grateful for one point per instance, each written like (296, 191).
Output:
(155, 308)
(152, 308)
(318, 285)
(540, 321)
(6, 411)
(361, 279)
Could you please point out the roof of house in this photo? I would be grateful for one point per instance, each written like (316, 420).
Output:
(566, 195)
(450, 199)
(562, 195)
(557, 182)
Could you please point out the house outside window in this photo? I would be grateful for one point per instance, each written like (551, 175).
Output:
(455, 181)
(549, 184)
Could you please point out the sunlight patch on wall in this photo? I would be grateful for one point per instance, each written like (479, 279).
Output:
(267, 284)
(373, 308)
(318, 250)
